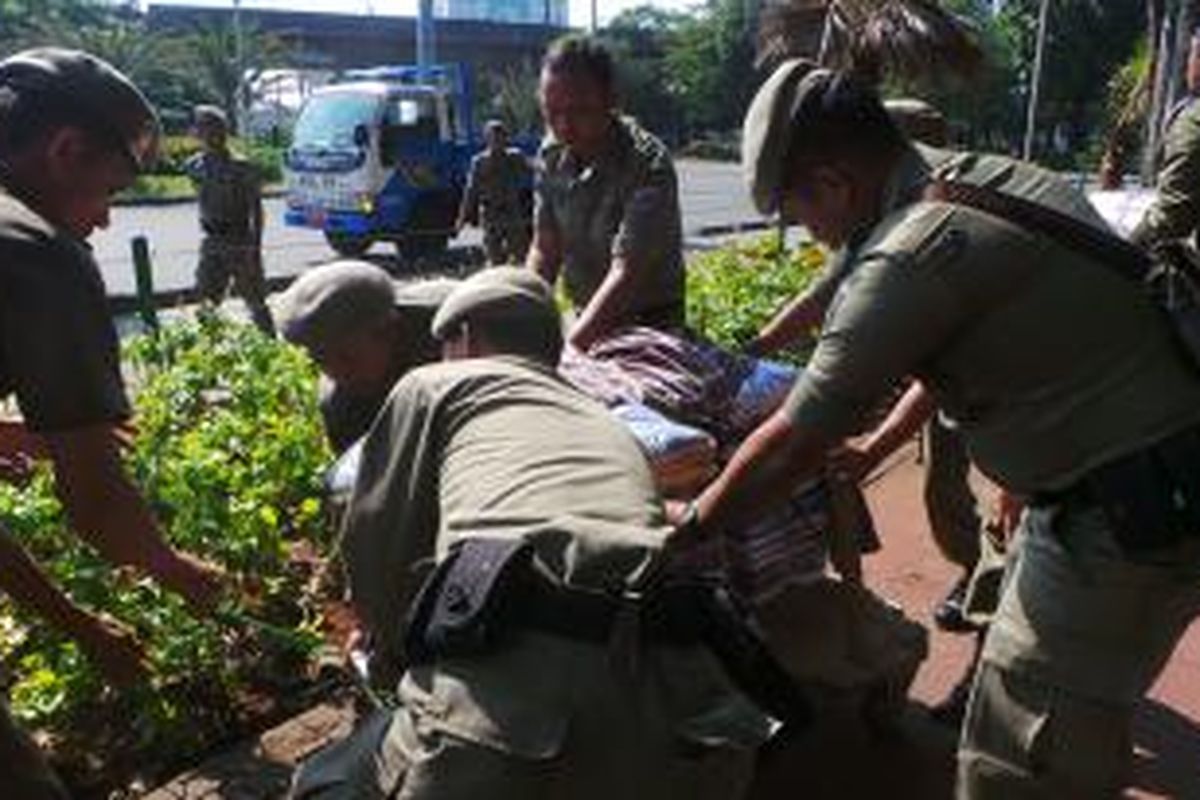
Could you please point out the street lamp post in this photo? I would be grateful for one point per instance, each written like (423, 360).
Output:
(1035, 82)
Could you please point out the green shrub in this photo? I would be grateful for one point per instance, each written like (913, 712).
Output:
(732, 292)
(230, 453)
(174, 152)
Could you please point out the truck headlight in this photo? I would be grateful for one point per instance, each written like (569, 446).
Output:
(366, 203)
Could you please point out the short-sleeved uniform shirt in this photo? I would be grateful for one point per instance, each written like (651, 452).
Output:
(348, 414)
(58, 347)
(495, 184)
(503, 448)
(229, 191)
(1175, 213)
(625, 204)
(1050, 364)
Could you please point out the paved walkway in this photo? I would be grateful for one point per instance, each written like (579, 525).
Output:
(835, 759)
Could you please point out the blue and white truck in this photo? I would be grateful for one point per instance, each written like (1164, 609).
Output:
(383, 155)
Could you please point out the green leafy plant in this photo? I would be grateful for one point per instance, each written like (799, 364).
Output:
(733, 291)
(230, 452)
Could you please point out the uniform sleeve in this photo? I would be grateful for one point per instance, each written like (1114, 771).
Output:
(544, 218)
(470, 201)
(651, 213)
(893, 315)
(1175, 213)
(59, 345)
(392, 521)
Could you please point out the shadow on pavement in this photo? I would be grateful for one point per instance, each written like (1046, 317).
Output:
(837, 758)
(1167, 751)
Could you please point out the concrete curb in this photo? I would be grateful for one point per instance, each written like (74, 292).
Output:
(145, 202)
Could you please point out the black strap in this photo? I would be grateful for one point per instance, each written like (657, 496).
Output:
(1119, 255)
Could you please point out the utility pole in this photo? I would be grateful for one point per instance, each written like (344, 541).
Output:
(595, 18)
(426, 54)
(1035, 82)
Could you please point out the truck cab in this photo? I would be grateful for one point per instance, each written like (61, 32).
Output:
(383, 156)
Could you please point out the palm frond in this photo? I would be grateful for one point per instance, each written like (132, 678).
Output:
(911, 39)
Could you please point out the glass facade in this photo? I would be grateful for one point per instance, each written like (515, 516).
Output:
(540, 12)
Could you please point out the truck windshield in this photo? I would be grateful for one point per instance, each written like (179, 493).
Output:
(329, 120)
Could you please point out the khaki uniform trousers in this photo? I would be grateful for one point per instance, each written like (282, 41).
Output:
(226, 261)
(620, 741)
(953, 512)
(24, 774)
(1081, 633)
(505, 238)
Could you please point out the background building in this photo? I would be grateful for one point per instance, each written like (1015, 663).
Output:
(539, 12)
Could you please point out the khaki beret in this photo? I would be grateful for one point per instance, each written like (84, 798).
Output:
(425, 295)
(497, 290)
(917, 119)
(333, 300)
(104, 101)
(767, 129)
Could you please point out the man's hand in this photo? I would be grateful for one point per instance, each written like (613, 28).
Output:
(1006, 516)
(201, 583)
(850, 462)
(113, 648)
(16, 469)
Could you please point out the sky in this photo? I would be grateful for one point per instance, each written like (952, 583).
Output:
(580, 9)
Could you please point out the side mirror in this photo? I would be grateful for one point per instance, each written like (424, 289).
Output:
(362, 137)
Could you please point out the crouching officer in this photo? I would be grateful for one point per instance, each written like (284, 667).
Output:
(1064, 380)
(365, 332)
(531, 670)
(73, 132)
(231, 216)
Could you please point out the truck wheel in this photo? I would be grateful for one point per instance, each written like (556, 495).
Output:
(348, 245)
(421, 245)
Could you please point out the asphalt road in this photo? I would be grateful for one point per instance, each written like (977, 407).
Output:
(712, 195)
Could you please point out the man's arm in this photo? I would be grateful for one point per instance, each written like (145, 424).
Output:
(912, 411)
(256, 205)
(545, 252)
(610, 304)
(643, 243)
(110, 646)
(794, 323)
(108, 511)
(893, 319)
(391, 522)
(1175, 213)
(468, 209)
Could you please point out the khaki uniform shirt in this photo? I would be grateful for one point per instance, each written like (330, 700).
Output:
(58, 347)
(229, 195)
(494, 187)
(1175, 213)
(623, 205)
(1050, 363)
(501, 447)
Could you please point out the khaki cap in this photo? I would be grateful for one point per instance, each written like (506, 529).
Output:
(330, 301)
(767, 129)
(502, 290)
(101, 97)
